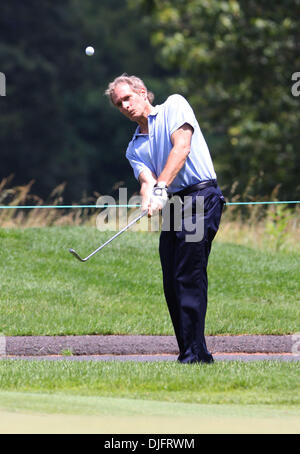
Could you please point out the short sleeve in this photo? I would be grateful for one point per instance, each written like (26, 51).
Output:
(178, 113)
(136, 165)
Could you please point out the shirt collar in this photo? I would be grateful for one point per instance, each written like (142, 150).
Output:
(152, 114)
(154, 111)
(137, 132)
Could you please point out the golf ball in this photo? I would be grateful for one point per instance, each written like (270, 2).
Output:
(89, 51)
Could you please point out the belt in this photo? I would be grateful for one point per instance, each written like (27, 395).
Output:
(196, 187)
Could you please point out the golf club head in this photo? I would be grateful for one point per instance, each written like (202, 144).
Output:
(108, 241)
(76, 255)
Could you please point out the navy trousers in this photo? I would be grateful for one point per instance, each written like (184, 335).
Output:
(184, 267)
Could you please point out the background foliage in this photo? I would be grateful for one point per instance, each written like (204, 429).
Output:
(56, 125)
(233, 61)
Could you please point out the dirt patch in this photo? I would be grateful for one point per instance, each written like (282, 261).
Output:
(135, 344)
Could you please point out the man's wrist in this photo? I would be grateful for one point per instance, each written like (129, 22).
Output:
(160, 189)
(161, 184)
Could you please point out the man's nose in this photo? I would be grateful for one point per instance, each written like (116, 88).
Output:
(125, 105)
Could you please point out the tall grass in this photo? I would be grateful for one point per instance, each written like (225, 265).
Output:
(41, 217)
(273, 227)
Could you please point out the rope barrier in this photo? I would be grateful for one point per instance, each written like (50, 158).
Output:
(6, 207)
(65, 206)
(261, 203)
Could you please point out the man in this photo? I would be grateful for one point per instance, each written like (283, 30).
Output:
(169, 155)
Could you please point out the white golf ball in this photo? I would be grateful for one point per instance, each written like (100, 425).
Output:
(89, 51)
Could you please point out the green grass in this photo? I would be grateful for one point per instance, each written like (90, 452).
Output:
(24, 412)
(130, 397)
(115, 397)
(268, 383)
(66, 403)
(46, 291)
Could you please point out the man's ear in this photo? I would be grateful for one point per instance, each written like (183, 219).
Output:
(143, 92)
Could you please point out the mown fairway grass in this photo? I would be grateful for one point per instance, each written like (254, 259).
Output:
(262, 382)
(118, 397)
(46, 291)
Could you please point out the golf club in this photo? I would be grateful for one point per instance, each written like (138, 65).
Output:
(72, 251)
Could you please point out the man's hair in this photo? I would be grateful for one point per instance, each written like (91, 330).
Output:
(135, 82)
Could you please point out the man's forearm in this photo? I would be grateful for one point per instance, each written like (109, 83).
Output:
(181, 141)
(146, 189)
(147, 181)
(174, 164)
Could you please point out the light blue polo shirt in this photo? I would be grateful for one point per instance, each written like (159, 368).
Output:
(152, 150)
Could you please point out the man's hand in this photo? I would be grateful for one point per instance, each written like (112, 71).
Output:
(154, 194)
(158, 199)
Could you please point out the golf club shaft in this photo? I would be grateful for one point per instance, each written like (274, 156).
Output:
(111, 239)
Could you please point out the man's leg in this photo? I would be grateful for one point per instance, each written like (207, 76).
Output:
(191, 290)
(167, 257)
(185, 279)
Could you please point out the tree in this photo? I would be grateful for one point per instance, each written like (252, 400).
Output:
(55, 123)
(234, 61)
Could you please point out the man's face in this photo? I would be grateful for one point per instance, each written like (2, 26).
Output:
(130, 103)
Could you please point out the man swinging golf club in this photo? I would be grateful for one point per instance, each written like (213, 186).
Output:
(169, 155)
